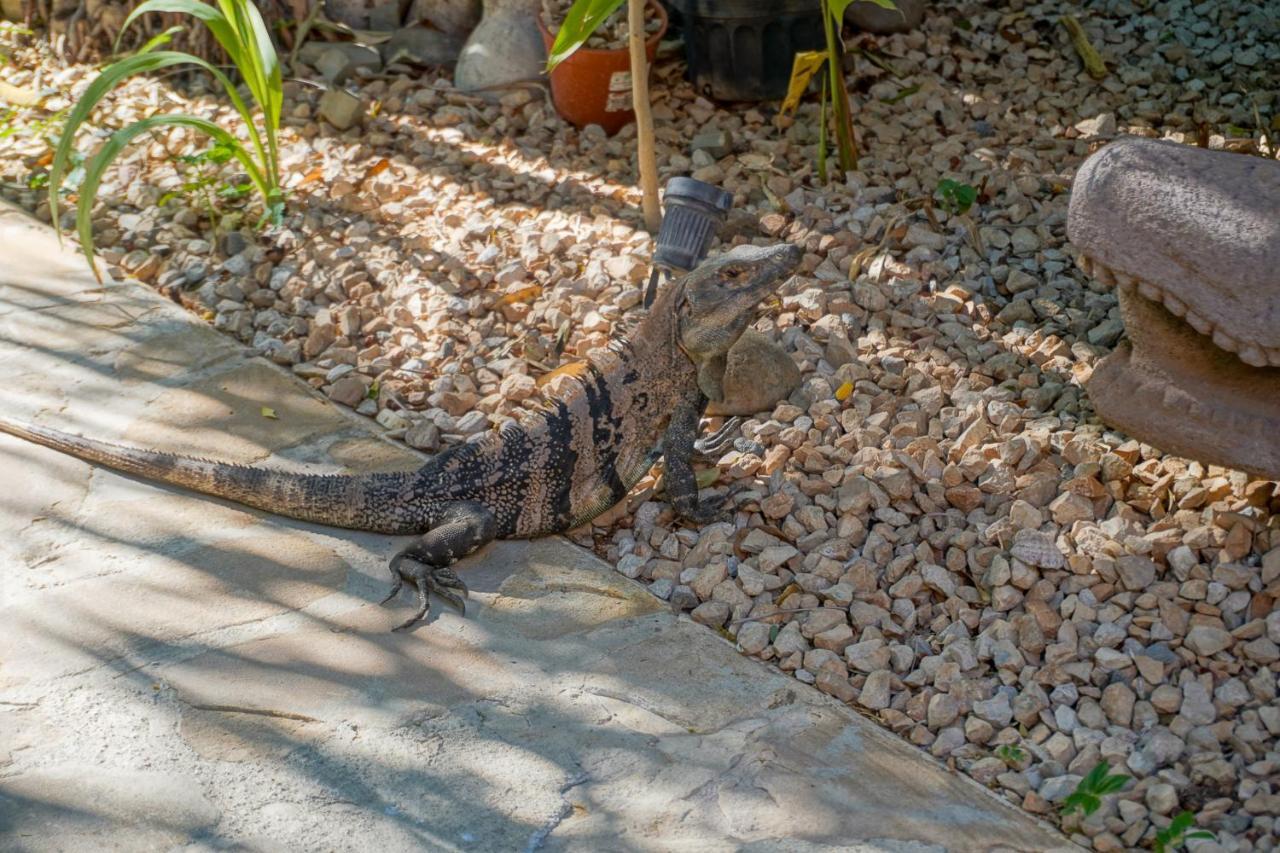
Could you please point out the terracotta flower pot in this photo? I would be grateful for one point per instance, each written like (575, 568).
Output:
(594, 86)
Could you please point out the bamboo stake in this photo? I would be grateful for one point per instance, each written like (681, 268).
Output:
(644, 116)
(1093, 62)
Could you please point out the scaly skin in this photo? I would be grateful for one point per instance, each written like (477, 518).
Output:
(556, 469)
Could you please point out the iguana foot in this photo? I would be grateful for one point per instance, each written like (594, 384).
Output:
(711, 447)
(441, 580)
(460, 530)
(713, 510)
(717, 443)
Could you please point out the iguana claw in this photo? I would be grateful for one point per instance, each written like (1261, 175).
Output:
(441, 580)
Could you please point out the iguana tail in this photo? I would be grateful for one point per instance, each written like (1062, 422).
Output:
(354, 501)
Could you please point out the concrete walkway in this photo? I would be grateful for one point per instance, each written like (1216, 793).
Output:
(179, 672)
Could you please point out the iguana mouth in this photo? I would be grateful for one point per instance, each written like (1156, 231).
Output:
(1186, 385)
(1250, 352)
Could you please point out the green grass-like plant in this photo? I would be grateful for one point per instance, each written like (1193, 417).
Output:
(1011, 754)
(238, 27)
(835, 93)
(1175, 834)
(1097, 783)
(955, 197)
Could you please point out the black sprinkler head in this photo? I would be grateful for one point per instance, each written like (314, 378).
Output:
(694, 210)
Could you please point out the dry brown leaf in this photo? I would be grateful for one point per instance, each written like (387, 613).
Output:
(377, 168)
(573, 368)
(314, 175)
(524, 294)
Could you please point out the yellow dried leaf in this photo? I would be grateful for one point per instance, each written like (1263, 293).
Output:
(803, 67)
(524, 294)
(573, 368)
(315, 174)
(268, 412)
(843, 392)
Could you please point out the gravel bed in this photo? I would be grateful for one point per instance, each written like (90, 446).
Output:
(940, 532)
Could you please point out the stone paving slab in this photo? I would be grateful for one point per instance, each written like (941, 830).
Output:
(180, 673)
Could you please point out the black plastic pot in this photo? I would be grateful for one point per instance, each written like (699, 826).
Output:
(741, 50)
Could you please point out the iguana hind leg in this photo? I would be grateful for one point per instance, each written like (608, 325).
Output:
(425, 565)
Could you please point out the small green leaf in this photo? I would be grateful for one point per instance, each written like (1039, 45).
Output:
(235, 190)
(901, 95)
(219, 154)
(159, 40)
(956, 198)
(268, 412)
(1112, 783)
(582, 19)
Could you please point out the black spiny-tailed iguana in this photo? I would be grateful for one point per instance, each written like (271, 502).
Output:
(553, 470)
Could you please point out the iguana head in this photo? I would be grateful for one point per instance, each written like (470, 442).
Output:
(716, 303)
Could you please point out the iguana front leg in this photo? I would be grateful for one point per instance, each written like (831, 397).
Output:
(424, 565)
(677, 452)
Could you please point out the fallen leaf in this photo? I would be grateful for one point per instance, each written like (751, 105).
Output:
(707, 477)
(573, 368)
(843, 392)
(524, 294)
(788, 591)
(314, 175)
(377, 168)
(803, 67)
(268, 412)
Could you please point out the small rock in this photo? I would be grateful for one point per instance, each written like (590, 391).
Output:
(873, 18)
(1197, 705)
(1103, 124)
(1207, 640)
(875, 691)
(1136, 573)
(711, 613)
(942, 710)
(349, 390)
(1162, 798)
(423, 435)
(717, 143)
(1036, 549)
(753, 637)
(341, 109)
(1117, 701)
(995, 710)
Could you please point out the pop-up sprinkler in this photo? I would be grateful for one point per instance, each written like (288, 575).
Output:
(694, 210)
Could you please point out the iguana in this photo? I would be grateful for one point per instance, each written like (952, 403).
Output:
(556, 468)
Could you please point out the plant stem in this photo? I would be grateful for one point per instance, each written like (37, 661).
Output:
(644, 116)
(846, 144)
